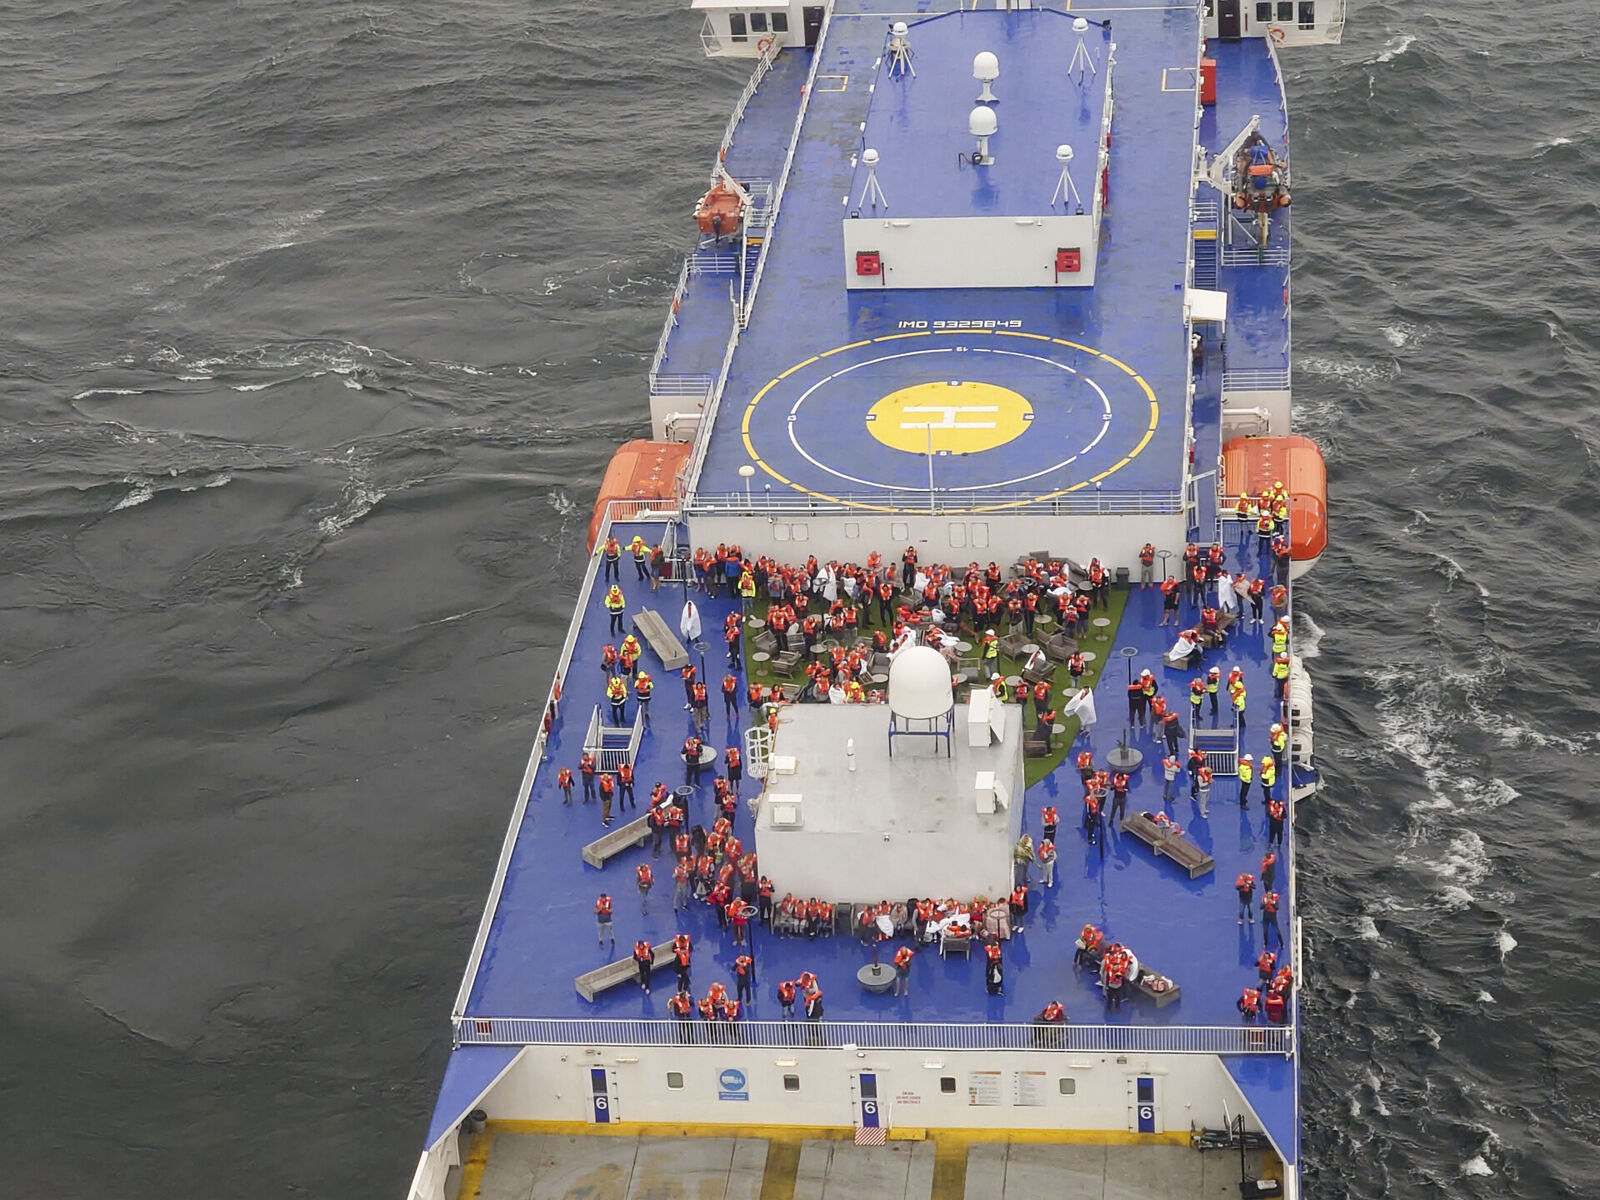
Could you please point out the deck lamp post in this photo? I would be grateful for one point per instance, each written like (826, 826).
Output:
(1125, 758)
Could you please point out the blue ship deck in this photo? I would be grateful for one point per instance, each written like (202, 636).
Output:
(539, 938)
(1104, 367)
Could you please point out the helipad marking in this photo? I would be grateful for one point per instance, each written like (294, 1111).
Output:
(755, 457)
(957, 405)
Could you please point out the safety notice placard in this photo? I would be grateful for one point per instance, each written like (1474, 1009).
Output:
(983, 1087)
(1029, 1087)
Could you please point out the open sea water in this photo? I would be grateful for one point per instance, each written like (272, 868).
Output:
(321, 322)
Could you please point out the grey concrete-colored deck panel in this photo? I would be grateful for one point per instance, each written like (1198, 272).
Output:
(1065, 1172)
(1152, 1173)
(681, 1168)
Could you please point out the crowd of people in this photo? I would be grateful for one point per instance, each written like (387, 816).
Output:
(862, 611)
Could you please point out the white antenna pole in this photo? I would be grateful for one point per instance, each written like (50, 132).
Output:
(1066, 191)
(900, 51)
(1082, 61)
(871, 192)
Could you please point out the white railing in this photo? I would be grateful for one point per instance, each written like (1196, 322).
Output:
(698, 386)
(1255, 256)
(756, 76)
(1250, 380)
(616, 510)
(1161, 502)
(671, 322)
(710, 262)
(873, 1035)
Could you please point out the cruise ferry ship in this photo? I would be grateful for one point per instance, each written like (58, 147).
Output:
(924, 751)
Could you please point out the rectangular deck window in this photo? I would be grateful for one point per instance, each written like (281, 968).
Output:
(1264, 10)
(1285, 10)
(758, 22)
(780, 22)
(736, 27)
(1308, 14)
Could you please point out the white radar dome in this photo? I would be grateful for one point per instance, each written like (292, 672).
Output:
(982, 123)
(919, 684)
(898, 29)
(985, 67)
(1079, 25)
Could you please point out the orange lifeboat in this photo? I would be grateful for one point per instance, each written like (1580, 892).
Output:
(1252, 463)
(639, 470)
(721, 209)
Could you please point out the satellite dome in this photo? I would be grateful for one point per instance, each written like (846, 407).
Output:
(919, 684)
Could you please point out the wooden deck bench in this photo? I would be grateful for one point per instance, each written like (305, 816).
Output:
(785, 661)
(1225, 622)
(1060, 646)
(1175, 846)
(634, 833)
(660, 638)
(591, 983)
(1048, 675)
(1036, 742)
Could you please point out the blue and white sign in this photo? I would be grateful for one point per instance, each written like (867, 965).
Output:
(869, 1101)
(731, 1085)
(601, 1087)
(1145, 1111)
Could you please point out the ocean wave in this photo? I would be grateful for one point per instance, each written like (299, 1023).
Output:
(1401, 334)
(1307, 635)
(1349, 371)
(90, 392)
(141, 493)
(1393, 48)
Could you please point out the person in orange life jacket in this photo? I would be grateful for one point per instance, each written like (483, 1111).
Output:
(657, 818)
(700, 708)
(1077, 665)
(1170, 766)
(1119, 799)
(1197, 697)
(1257, 593)
(1017, 905)
(643, 962)
(1249, 1004)
(681, 953)
(647, 880)
(1136, 703)
(1265, 526)
(1054, 1013)
(735, 763)
(1280, 675)
(615, 604)
(1147, 566)
(642, 687)
(1269, 918)
(739, 917)
(1114, 974)
(1197, 759)
(1202, 791)
(1275, 812)
(1051, 819)
(602, 920)
(680, 886)
(1278, 736)
(730, 697)
(609, 660)
(1169, 601)
(994, 972)
(1245, 885)
(1090, 939)
(608, 789)
(735, 641)
(718, 899)
(1158, 715)
(1269, 777)
(728, 1008)
(628, 654)
(681, 1006)
(1282, 556)
(1041, 697)
(814, 1002)
(564, 780)
(1173, 728)
(692, 746)
(708, 1007)
(902, 970)
(1277, 1007)
(1085, 761)
(786, 992)
(744, 976)
(1094, 823)
(1269, 870)
(586, 770)
(625, 787)
(612, 553)
(1266, 966)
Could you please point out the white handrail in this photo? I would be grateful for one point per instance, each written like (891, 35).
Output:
(762, 67)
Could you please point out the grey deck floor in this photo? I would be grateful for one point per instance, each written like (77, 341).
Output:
(526, 1166)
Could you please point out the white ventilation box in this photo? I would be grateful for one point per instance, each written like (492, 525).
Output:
(784, 764)
(786, 810)
(980, 716)
(990, 793)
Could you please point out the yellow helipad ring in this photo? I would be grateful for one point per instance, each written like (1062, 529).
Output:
(1155, 417)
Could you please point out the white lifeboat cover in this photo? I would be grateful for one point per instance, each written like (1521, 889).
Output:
(919, 683)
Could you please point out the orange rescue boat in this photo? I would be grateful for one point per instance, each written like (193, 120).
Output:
(639, 470)
(1250, 464)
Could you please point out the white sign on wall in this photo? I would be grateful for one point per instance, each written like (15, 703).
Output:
(983, 1087)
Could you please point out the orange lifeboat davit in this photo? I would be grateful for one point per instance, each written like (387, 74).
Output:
(1250, 464)
(639, 470)
(721, 210)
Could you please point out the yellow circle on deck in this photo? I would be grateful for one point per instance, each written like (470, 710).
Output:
(960, 418)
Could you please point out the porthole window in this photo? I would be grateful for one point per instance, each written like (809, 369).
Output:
(674, 1079)
(1068, 1086)
(947, 1085)
(791, 1083)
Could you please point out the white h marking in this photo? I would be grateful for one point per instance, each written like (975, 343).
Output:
(948, 414)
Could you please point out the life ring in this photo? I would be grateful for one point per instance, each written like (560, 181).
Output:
(765, 43)
(1275, 33)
